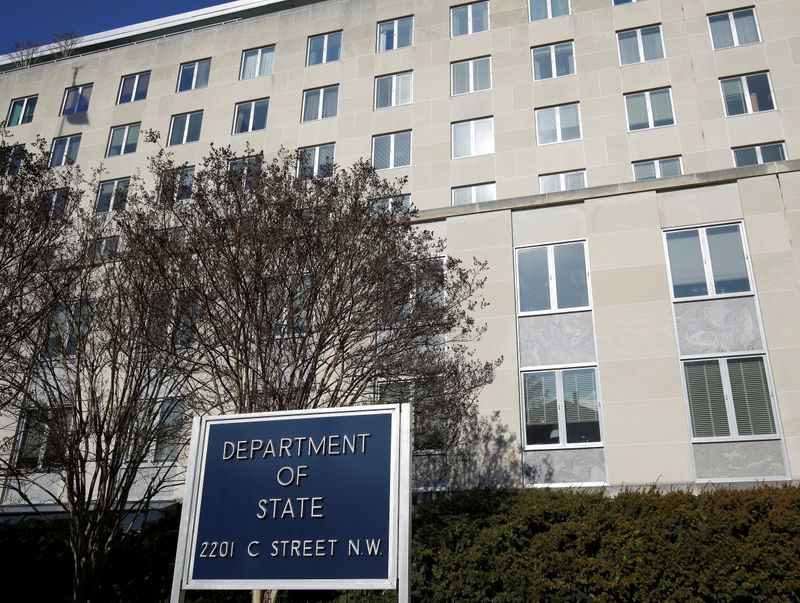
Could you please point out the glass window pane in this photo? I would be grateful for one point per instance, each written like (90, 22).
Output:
(480, 17)
(330, 100)
(126, 90)
(121, 194)
(57, 155)
(706, 399)
(628, 47)
(325, 160)
(760, 92)
(580, 406)
(745, 23)
(542, 63)
(386, 36)
(460, 77)
(661, 105)
(203, 69)
(565, 60)
(733, 93)
(83, 101)
(381, 152)
(637, 111)
(187, 75)
(746, 156)
(267, 61)
(534, 279)
(104, 197)
(242, 123)
(541, 408)
(571, 289)
(71, 101)
(334, 47)
(644, 170)
(485, 192)
(751, 400)
(772, 152)
(550, 183)
(570, 122)
(574, 180)
(402, 149)
(559, 7)
(651, 43)
(686, 264)
(670, 167)
(315, 49)
(459, 20)
(482, 74)
(727, 259)
(133, 138)
(195, 121)
(178, 126)
(405, 32)
(115, 146)
(721, 33)
(383, 92)
(15, 116)
(73, 144)
(403, 83)
(311, 105)
(546, 125)
(461, 140)
(462, 195)
(538, 10)
(142, 84)
(260, 114)
(249, 64)
(484, 136)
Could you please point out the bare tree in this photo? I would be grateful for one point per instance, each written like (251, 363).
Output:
(65, 43)
(23, 53)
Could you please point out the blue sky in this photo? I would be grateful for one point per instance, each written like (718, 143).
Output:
(38, 20)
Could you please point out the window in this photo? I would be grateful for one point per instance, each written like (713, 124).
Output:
(474, 193)
(317, 161)
(551, 61)
(123, 140)
(65, 150)
(729, 397)
(66, 323)
(185, 128)
(76, 99)
(734, 28)
(176, 185)
(244, 171)
(397, 33)
(471, 76)
(320, 103)
(707, 261)
(553, 278)
(194, 75)
(639, 45)
(112, 195)
(11, 157)
(257, 62)
(563, 181)
(393, 90)
(561, 407)
(391, 150)
(618, 2)
(475, 137)
(761, 153)
(170, 431)
(54, 204)
(133, 87)
(21, 111)
(249, 116)
(392, 204)
(558, 124)
(547, 9)
(325, 48)
(657, 168)
(103, 248)
(651, 109)
(40, 437)
(469, 19)
(747, 94)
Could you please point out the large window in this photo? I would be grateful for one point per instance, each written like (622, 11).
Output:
(112, 195)
(651, 109)
(176, 185)
(123, 139)
(729, 397)
(194, 75)
(475, 137)
(471, 76)
(39, 438)
(250, 116)
(320, 103)
(761, 153)
(395, 33)
(734, 28)
(551, 61)
(639, 45)
(244, 171)
(317, 161)
(133, 87)
(474, 193)
(76, 99)
(469, 19)
(547, 9)
(325, 48)
(657, 168)
(257, 62)
(708, 261)
(185, 128)
(65, 150)
(562, 181)
(558, 124)
(391, 150)
(553, 278)
(747, 94)
(561, 407)
(392, 90)
(21, 111)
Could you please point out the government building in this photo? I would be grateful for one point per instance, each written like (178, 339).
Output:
(630, 170)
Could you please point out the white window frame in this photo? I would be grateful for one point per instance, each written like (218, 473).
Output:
(395, 89)
(471, 70)
(70, 141)
(551, 276)
(706, 258)
(562, 181)
(470, 27)
(80, 95)
(552, 51)
(25, 100)
(150, 459)
(746, 91)
(559, 369)
(649, 107)
(657, 166)
(394, 23)
(758, 151)
(127, 130)
(325, 37)
(260, 56)
(252, 104)
(559, 135)
(640, 44)
(185, 127)
(322, 90)
(195, 69)
(549, 11)
(473, 190)
(117, 183)
(136, 77)
(315, 149)
(472, 139)
(730, 410)
(392, 137)
(732, 24)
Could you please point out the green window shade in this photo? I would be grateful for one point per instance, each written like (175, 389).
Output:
(706, 399)
(580, 406)
(751, 400)
(541, 408)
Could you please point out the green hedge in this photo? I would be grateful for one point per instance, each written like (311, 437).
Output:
(541, 545)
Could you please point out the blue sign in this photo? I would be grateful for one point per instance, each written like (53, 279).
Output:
(294, 500)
